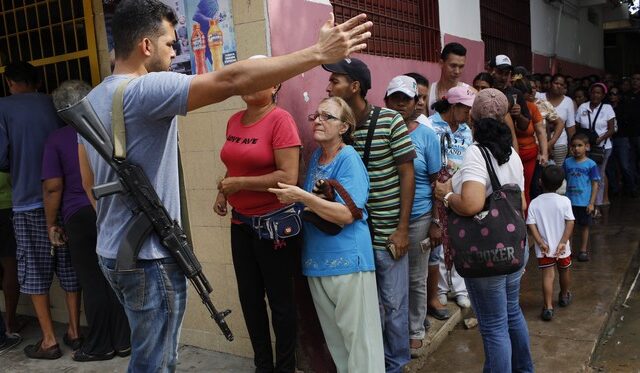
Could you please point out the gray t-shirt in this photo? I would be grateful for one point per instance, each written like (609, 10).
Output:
(151, 103)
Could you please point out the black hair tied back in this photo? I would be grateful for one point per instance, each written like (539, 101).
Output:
(495, 136)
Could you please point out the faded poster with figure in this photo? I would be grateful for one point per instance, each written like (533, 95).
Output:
(211, 35)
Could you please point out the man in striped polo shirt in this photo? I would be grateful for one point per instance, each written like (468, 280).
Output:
(390, 167)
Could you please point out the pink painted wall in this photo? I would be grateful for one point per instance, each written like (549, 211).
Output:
(288, 35)
(542, 64)
(475, 56)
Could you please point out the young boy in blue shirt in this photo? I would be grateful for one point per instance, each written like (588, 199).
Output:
(582, 186)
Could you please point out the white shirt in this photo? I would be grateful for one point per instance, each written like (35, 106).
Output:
(540, 95)
(565, 111)
(601, 123)
(549, 212)
(433, 93)
(474, 168)
(424, 120)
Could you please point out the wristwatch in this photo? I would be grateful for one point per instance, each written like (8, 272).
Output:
(445, 200)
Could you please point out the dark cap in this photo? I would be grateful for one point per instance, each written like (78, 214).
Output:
(354, 68)
(501, 62)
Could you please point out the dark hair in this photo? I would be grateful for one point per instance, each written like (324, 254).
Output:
(419, 78)
(558, 75)
(134, 20)
(455, 48)
(580, 136)
(441, 106)
(495, 136)
(544, 76)
(536, 77)
(363, 90)
(521, 70)
(485, 77)
(583, 90)
(552, 177)
(521, 84)
(22, 72)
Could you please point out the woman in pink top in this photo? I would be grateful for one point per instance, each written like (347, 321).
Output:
(262, 148)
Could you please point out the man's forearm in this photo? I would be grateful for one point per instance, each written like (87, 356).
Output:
(407, 191)
(52, 202)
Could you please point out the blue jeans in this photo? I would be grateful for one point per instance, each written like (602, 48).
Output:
(154, 297)
(505, 336)
(622, 154)
(392, 277)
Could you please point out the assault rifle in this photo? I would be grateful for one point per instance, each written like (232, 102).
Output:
(150, 214)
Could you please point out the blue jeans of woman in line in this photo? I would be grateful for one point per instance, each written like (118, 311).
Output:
(504, 331)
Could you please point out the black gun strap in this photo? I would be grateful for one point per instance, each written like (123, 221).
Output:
(372, 129)
(367, 153)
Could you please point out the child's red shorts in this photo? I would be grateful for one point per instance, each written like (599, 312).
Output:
(550, 262)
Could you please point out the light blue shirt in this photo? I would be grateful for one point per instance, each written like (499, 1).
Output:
(426, 163)
(460, 140)
(579, 176)
(151, 103)
(349, 251)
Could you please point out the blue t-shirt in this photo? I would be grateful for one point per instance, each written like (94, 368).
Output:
(349, 251)
(151, 103)
(26, 121)
(579, 177)
(460, 140)
(426, 163)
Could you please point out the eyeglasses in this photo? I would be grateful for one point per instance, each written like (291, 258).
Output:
(323, 117)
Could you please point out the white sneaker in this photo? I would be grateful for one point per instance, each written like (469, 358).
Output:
(442, 298)
(463, 301)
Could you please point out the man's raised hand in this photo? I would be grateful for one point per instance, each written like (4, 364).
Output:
(337, 42)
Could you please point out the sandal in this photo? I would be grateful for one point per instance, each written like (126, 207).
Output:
(82, 356)
(36, 351)
(416, 351)
(75, 344)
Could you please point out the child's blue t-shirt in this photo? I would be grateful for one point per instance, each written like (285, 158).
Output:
(427, 162)
(579, 176)
(460, 140)
(349, 251)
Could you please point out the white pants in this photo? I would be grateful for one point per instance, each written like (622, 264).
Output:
(457, 285)
(349, 315)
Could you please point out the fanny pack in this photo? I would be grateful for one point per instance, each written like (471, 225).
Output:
(277, 225)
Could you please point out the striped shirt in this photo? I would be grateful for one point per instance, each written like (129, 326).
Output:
(391, 146)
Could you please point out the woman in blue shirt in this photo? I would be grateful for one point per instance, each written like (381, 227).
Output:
(340, 268)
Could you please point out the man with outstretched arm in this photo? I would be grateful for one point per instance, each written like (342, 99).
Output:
(143, 33)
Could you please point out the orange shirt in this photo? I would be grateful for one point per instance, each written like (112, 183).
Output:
(527, 139)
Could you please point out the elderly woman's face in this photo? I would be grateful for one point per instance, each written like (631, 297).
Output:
(327, 127)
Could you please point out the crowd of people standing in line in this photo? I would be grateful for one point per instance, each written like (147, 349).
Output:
(372, 220)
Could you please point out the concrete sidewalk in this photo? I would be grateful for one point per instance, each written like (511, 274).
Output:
(567, 343)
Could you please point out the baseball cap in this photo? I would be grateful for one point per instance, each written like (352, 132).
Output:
(501, 62)
(461, 95)
(354, 68)
(490, 103)
(404, 84)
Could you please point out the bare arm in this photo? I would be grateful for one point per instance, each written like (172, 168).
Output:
(544, 247)
(287, 166)
(609, 133)
(592, 199)
(400, 237)
(514, 140)
(541, 134)
(570, 132)
(243, 77)
(334, 212)
(86, 173)
(469, 202)
(52, 198)
(557, 131)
